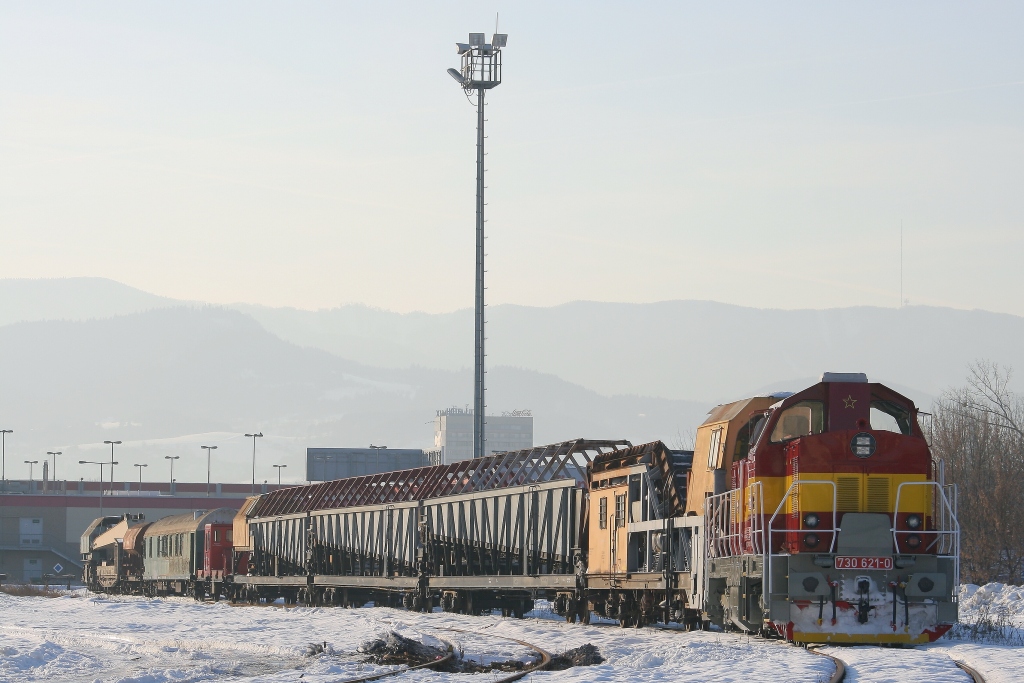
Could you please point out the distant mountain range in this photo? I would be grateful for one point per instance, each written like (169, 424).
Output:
(166, 381)
(693, 350)
(88, 359)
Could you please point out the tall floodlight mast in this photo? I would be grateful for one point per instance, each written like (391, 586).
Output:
(481, 70)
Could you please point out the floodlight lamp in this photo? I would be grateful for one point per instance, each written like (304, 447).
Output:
(476, 39)
(463, 48)
(499, 40)
(454, 73)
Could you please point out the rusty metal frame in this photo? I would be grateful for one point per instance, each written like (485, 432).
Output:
(543, 463)
(672, 464)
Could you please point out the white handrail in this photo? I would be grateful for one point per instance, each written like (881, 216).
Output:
(947, 536)
(797, 484)
(767, 561)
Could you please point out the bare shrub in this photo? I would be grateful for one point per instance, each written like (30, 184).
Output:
(27, 589)
(988, 624)
(978, 430)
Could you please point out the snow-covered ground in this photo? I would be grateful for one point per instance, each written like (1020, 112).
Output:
(83, 637)
(999, 661)
(86, 638)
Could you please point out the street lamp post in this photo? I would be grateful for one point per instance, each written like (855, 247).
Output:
(112, 444)
(279, 468)
(3, 455)
(481, 70)
(140, 474)
(101, 464)
(30, 463)
(254, 436)
(54, 471)
(378, 449)
(172, 458)
(208, 449)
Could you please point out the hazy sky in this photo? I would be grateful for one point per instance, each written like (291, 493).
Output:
(313, 154)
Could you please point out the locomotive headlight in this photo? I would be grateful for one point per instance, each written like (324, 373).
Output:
(811, 540)
(914, 521)
(913, 541)
(811, 520)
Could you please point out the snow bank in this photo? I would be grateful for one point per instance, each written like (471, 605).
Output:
(992, 595)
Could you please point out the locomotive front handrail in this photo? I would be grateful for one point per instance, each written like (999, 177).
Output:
(947, 536)
(769, 531)
(797, 484)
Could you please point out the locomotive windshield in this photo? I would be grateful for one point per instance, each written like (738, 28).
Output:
(748, 434)
(888, 416)
(800, 419)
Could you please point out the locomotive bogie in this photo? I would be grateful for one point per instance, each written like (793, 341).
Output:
(735, 594)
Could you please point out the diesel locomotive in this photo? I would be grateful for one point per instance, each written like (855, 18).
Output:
(818, 516)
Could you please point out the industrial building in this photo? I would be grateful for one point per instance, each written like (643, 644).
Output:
(453, 433)
(40, 529)
(328, 464)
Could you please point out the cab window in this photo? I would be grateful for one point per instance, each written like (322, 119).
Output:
(800, 419)
(887, 416)
(747, 436)
(714, 448)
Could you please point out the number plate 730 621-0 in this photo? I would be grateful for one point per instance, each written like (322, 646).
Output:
(856, 562)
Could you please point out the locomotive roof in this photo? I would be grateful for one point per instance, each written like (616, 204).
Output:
(730, 411)
(877, 389)
(190, 522)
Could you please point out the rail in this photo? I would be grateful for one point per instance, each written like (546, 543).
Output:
(840, 675)
(973, 673)
(395, 672)
(539, 665)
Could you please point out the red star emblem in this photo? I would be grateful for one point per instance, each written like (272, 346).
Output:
(849, 401)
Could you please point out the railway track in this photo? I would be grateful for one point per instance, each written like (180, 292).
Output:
(542, 662)
(840, 674)
(975, 676)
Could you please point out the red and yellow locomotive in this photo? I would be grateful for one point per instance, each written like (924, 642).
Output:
(834, 527)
